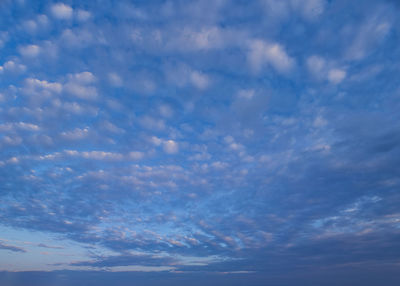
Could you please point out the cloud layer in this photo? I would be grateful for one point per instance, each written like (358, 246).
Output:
(239, 141)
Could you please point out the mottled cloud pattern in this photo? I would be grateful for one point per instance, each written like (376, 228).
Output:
(193, 142)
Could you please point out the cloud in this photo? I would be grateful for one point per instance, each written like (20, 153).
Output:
(30, 26)
(83, 77)
(3, 38)
(183, 76)
(61, 11)
(83, 15)
(166, 111)
(336, 75)
(136, 155)
(81, 91)
(156, 141)
(170, 147)
(35, 25)
(309, 9)
(11, 248)
(13, 67)
(79, 109)
(206, 38)
(152, 123)
(78, 38)
(94, 155)
(282, 9)
(112, 128)
(262, 53)
(178, 115)
(115, 79)
(370, 34)
(322, 69)
(29, 51)
(199, 80)
(127, 260)
(49, 246)
(20, 125)
(80, 85)
(316, 65)
(41, 88)
(76, 134)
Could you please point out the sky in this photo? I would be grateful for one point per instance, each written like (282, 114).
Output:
(202, 142)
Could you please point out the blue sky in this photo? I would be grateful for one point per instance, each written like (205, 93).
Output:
(199, 142)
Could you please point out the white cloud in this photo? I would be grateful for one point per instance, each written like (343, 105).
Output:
(113, 128)
(61, 11)
(130, 11)
(49, 49)
(76, 134)
(83, 15)
(94, 155)
(101, 155)
(219, 165)
(233, 145)
(136, 36)
(13, 140)
(199, 80)
(165, 110)
(115, 79)
(81, 91)
(156, 141)
(3, 38)
(42, 20)
(79, 85)
(368, 35)
(229, 139)
(183, 75)
(36, 87)
(325, 70)
(246, 93)
(319, 122)
(316, 65)
(276, 9)
(262, 53)
(32, 26)
(78, 38)
(282, 9)
(19, 125)
(136, 155)
(200, 156)
(335, 76)
(83, 77)
(309, 9)
(77, 108)
(6, 127)
(205, 39)
(202, 38)
(152, 123)
(170, 147)
(13, 67)
(28, 126)
(29, 50)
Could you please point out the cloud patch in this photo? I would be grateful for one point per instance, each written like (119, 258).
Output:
(61, 11)
(262, 53)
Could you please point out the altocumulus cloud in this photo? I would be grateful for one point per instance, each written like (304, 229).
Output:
(199, 142)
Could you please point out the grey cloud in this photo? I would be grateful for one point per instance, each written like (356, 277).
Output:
(11, 247)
